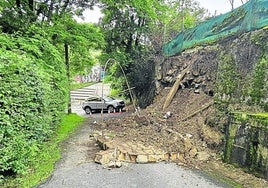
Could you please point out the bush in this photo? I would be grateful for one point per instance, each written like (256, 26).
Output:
(33, 97)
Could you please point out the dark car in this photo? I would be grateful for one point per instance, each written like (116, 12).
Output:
(106, 103)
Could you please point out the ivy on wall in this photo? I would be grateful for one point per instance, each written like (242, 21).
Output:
(227, 81)
(259, 85)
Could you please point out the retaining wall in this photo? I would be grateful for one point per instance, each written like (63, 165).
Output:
(246, 143)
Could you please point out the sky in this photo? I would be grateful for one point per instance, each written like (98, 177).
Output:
(220, 6)
(91, 15)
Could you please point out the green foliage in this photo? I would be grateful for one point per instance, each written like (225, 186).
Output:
(18, 15)
(83, 41)
(180, 15)
(34, 86)
(227, 78)
(32, 99)
(127, 31)
(43, 163)
(134, 31)
(265, 115)
(141, 77)
(114, 74)
(23, 110)
(259, 83)
(127, 23)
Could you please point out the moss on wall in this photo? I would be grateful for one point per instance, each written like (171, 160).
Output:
(248, 134)
(229, 142)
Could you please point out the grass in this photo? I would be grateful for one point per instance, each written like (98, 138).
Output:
(219, 174)
(261, 114)
(221, 178)
(49, 154)
(264, 114)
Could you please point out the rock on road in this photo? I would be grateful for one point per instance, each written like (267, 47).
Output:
(76, 169)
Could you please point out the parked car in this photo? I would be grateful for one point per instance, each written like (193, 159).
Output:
(97, 103)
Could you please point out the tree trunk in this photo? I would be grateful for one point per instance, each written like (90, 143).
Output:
(174, 89)
(66, 51)
(232, 4)
(31, 5)
(51, 6)
(18, 4)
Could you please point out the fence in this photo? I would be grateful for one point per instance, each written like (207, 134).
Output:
(250, 16)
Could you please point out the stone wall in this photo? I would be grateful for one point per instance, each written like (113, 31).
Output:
(246, 143)
(208, 72)
(234, 71)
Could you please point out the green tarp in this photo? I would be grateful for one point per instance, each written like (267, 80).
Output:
(250, 16)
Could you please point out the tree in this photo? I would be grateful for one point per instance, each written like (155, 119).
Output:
(126, 23)
(78, 40)
(55, 16)
(232, 4)
(126, 26)
(19, 14)
(134, 33)
(180, 15)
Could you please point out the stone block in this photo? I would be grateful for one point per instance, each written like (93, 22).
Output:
(203, 156)
(187, 144)
(104, 157)
(114, 164)
(181, 158)
(193, 152)
(155, 158)
(173, 156)
(142, 159)
(121, 157)
(152, 159)
(166, 156)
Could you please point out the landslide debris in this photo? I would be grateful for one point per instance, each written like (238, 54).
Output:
(167, 131)
(194, 139)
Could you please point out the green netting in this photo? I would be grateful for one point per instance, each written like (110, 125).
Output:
(250, 16)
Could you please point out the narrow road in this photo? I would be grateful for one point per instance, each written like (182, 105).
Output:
(76, 168)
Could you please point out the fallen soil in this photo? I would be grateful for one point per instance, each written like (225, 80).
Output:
(183, 128)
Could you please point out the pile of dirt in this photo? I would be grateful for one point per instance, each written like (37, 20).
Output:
(181, 128)
(168, 130)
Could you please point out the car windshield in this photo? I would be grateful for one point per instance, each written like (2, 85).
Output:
(108, 99)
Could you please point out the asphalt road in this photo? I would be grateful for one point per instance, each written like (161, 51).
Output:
(158, 175)
(76, 168)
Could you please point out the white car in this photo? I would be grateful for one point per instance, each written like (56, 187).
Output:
(106, 103)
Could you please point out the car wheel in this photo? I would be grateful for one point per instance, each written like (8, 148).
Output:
(88, 110)
(110, 109)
